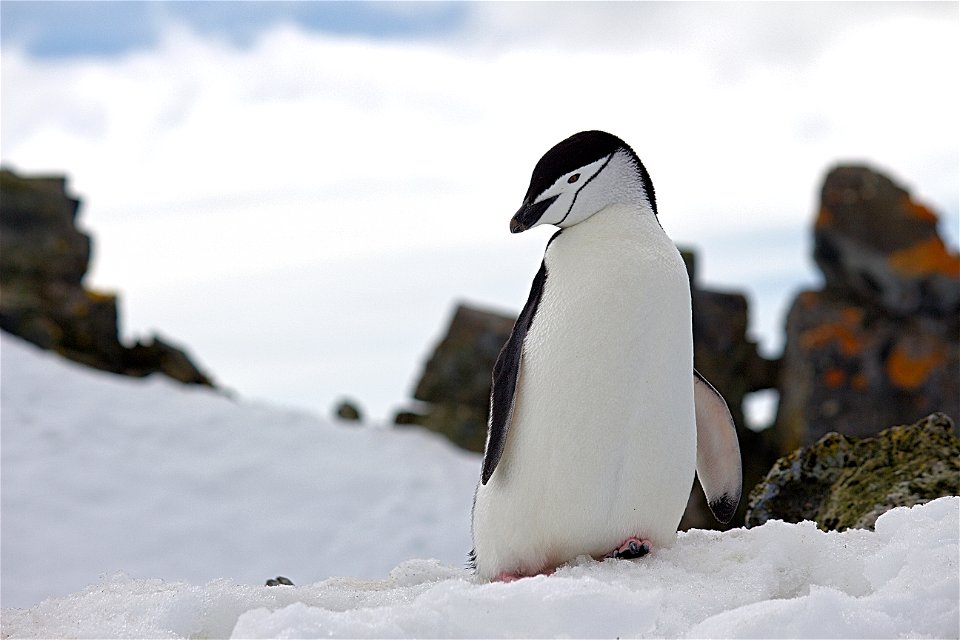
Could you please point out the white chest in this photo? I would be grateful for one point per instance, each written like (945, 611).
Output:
(616, 306)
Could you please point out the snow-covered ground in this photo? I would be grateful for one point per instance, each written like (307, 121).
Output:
(197, 499)
(102, 473)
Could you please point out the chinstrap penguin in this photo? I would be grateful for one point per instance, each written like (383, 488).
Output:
(598, 419)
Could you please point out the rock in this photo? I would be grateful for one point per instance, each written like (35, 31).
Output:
(43, 261)
(40, 241)
(879, 343)
(848, 368)
(160, 356)
(408, 418)
(879, 247)
(456, 379)
(347, 410)
(842, 482)
(731, 362)
(722, 351)
(459, 370)
(279, 581)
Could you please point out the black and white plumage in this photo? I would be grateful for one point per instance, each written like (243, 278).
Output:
(597, 417)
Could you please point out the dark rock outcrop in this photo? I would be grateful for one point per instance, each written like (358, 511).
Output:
(721, 350)
(43, 261)
(879, 343)
(456, 379)
(725, 356)
(159, 356)
(842, 482)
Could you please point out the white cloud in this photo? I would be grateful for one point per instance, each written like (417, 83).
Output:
(208, 168)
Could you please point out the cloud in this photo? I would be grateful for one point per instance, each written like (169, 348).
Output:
(290, 186)
(738, 33)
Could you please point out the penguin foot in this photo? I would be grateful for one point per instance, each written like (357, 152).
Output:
(631, 548)
(505, 576)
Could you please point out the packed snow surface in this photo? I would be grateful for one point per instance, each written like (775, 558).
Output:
(778, 580)
(175, 486)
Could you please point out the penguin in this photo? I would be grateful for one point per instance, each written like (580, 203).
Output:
(598, 419)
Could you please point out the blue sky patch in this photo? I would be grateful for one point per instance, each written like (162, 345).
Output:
(63, 29)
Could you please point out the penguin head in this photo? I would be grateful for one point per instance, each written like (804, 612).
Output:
(580, 176)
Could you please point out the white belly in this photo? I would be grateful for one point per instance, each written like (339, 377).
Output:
(602, 445)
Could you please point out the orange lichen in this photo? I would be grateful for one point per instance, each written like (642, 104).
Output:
(99, 296)
(841, 333)
(807, 298)
(834, 377)
(908, 370)
(919, 211)
(824, 218)
(859, 381)
(852, 315)
(927, 257)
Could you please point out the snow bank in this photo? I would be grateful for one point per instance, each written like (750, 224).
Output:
(778, 580)
(103, 474)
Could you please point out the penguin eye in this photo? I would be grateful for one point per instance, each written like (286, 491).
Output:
(573, 178)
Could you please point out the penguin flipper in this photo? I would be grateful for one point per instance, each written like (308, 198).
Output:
(506, 372)
(718, 450)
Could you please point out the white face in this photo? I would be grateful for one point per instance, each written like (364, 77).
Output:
(579, 194)
(566, 210)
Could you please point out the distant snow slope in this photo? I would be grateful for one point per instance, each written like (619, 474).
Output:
(175, 486)
(102, 473)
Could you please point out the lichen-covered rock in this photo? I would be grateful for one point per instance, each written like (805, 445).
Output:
(842, 482)
(847, 368)
(880, 344)
(43, 261)
(877, 245)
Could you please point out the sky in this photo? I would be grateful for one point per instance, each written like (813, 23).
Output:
(301, 193)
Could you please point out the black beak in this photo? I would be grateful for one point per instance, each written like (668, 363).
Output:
(529, 214)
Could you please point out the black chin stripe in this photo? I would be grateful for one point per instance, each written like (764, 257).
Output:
(584, 185)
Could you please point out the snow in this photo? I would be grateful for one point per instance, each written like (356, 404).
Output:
(102, 473)
(178, 488)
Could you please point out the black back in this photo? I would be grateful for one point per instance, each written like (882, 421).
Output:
(576, 151)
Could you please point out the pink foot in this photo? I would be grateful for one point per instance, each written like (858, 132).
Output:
(631, 548)
(505, 576)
